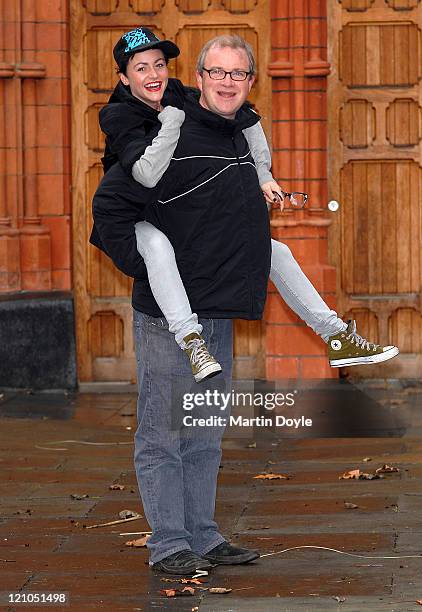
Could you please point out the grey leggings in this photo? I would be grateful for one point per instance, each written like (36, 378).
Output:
(169, 293)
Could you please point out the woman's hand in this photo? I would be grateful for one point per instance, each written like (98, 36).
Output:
(173, 114)
(273, 193)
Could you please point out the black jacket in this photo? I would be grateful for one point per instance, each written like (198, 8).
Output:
(210, 206)
(119, 201)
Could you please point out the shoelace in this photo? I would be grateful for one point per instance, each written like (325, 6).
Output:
(359, 341)
(199, 355)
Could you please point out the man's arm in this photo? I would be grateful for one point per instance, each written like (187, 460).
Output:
(262, 157)
(260, 152)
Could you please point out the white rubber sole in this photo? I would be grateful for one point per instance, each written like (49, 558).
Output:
(211, 370)
(340, 363)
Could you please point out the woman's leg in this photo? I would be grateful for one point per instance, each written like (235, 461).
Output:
(164, 278)
(299, 293)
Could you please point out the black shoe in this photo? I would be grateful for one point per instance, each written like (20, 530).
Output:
(226, 554)
(183, 562)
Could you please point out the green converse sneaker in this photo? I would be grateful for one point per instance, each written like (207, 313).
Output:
(348, 348)
(202, 363)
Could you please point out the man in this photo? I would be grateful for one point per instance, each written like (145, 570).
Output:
(212, 209)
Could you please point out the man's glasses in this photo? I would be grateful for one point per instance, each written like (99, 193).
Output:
(218, 74)
(297, 199)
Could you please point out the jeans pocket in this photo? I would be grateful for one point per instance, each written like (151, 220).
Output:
(137, 319)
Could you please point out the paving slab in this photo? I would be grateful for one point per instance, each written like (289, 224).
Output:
(53, 446)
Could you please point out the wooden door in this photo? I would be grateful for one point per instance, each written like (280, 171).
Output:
(102, 294)
(375, 172)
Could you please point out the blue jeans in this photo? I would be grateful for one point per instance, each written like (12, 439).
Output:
(176, 466)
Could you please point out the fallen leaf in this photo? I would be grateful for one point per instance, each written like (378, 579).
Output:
(251, 445)
(271, 476)
(138, 543)
(125, 514)
(350, 506)
(191, 581)
(117, 487)
(78, 496)
(358, 475)
(188, 590)
(339, 599)
(175, 592)
(386, 469)
(367, 459)
(219, 590)
(350, 474)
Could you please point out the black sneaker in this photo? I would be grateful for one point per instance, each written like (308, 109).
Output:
(183, 562)
(226, 554)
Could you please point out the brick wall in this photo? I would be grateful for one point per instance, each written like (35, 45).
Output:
(299, 137)
(35, 174)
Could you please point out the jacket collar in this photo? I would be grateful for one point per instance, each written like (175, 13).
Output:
(245, 117)
(173, 96)
(122, 94)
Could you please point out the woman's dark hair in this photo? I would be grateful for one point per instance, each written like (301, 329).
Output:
(122, 67)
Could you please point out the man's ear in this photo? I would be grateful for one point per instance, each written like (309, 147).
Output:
(251, 82)
(124, 79)
(198, 80)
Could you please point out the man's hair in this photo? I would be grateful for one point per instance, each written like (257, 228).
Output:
(227, 40)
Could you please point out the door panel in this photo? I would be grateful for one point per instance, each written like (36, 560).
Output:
(375, 172)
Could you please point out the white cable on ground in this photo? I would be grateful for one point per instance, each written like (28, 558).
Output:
(342, 552)
(90, 443)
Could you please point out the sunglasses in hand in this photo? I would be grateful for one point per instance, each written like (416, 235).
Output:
(297, 199)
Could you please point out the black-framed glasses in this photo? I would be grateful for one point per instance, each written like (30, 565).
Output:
(218, 74)
(297, 199)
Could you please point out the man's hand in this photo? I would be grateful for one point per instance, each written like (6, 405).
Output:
(273, 193)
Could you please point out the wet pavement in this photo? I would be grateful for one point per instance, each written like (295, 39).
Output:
(55, 446)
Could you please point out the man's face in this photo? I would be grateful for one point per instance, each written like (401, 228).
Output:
(147, 76)
(227, 96)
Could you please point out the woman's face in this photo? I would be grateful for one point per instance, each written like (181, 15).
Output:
(147, 76)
